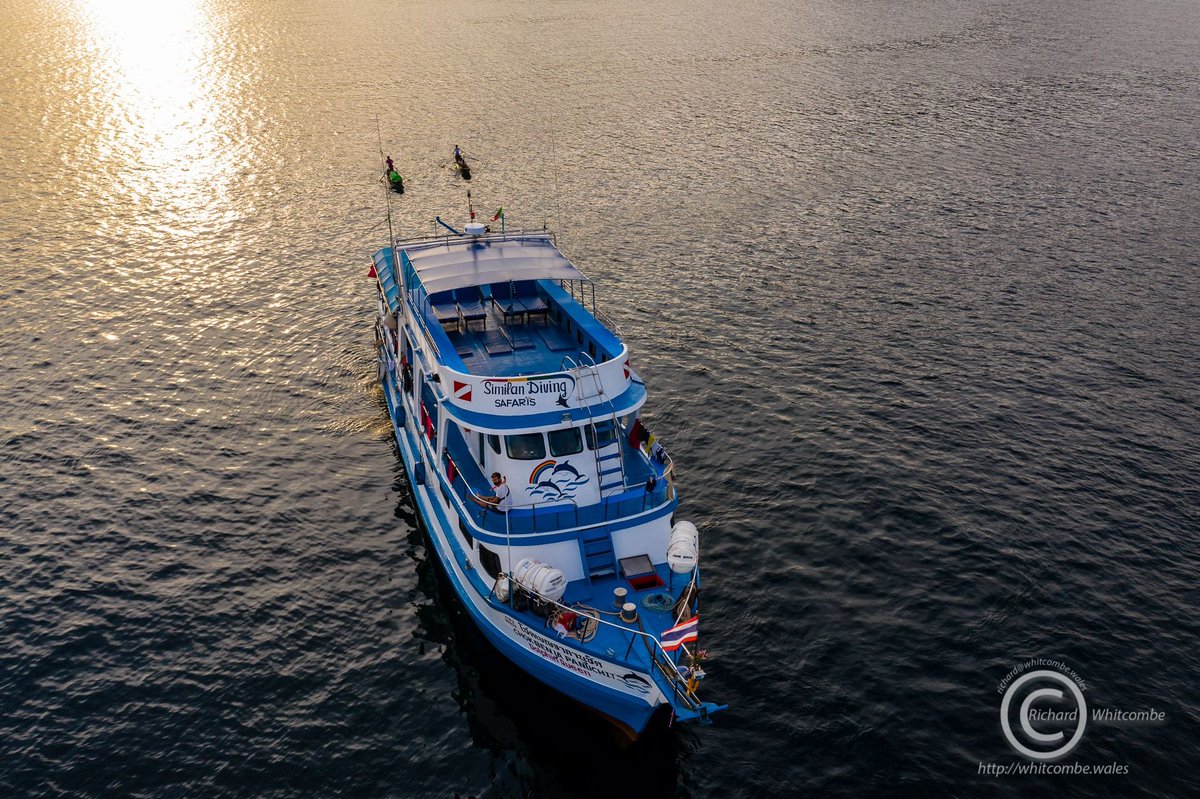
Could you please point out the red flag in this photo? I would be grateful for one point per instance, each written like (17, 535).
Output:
(372, 272)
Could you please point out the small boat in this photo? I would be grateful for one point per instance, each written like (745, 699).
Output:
(549, 503)
(395, 181)
(462, 165)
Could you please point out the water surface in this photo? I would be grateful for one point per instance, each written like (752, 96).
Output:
(912, 286)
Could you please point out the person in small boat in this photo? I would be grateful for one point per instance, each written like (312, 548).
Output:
(503, 499)
(457, 153)
(391, 166)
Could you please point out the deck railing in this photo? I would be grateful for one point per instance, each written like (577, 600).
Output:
(507, 235)
(548, 517)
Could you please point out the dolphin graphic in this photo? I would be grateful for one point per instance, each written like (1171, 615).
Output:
(546, 484)
(565, 467)
(636, 682)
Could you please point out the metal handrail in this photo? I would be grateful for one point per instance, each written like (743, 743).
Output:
(606, 320)
(534, 507)
(502, 236)
(577, 511)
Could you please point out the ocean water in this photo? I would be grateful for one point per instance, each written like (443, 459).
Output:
(913, 287)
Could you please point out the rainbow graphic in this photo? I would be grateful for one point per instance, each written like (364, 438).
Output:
(542, 468)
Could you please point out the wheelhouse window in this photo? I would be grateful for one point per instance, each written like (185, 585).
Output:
(526, 446)
(607, 435)
(494, 441)
(567, 441)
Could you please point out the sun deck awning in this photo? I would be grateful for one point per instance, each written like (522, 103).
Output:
(458, 263)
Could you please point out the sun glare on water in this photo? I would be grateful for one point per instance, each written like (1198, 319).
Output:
(160, 76)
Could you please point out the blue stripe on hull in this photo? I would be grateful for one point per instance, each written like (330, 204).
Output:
(620, 708)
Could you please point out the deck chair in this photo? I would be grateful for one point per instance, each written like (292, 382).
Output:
(505, 301)
(470, 304)
(445, 310)
(526, 292)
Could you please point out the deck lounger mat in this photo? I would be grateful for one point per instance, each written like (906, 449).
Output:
(534, 304)
(526, 293)
(462, 345)
(508, 308)
(522, 339)
(470, 304)
(494, 342)
(473, 310)
(444, 307)
(505, 302)
(556, 340)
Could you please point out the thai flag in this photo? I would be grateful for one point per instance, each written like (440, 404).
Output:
(681, 634)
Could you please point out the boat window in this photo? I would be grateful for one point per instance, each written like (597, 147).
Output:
(495, 442)
(490, 561)
(526, 446)
(462, 528)
(565, 442)
(607, 436)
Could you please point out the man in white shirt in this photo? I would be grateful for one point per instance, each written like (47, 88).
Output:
(503, 499)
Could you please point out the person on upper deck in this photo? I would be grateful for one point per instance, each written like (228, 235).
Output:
(503, 499)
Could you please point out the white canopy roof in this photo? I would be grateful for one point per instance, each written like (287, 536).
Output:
(458, 263)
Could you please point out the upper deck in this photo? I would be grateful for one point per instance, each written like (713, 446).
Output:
(508, 322)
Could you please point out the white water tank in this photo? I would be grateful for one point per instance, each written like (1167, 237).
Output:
(683, 547)
(540, 578)
(476, 229)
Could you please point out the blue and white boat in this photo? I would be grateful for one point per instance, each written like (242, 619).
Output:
(495, 360)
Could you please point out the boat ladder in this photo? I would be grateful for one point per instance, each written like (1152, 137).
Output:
(599, 557)
(606, 437)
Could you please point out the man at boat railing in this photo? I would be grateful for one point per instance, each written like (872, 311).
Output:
(503, 499)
